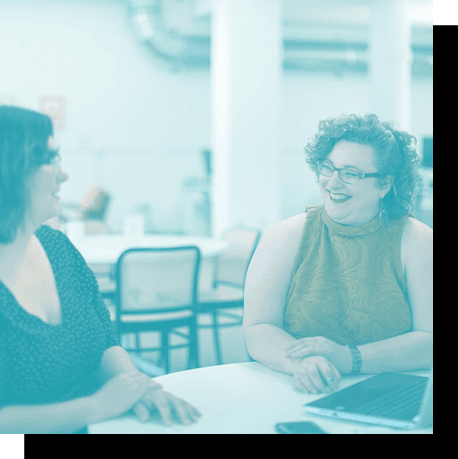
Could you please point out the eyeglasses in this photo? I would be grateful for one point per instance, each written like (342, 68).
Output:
(349, 176)
(55, 162)
(53, 159)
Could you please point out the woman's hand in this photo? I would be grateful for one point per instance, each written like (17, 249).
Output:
(120, 394)
(338, 355)
(315, 374)
(165, 403)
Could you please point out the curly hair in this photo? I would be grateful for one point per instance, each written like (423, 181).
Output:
(24, 137)
(395, 154)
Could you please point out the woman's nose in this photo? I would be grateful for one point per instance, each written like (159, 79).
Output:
(335, 180)
(63, 175)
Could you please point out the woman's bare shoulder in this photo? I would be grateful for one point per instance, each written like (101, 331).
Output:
(286, 232)
(269, 273)
(416, 234)
(416, 242)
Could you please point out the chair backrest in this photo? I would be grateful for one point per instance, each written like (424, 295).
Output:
(233, 262)
(156, 280)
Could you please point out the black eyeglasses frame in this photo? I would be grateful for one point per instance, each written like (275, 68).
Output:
(361, 175)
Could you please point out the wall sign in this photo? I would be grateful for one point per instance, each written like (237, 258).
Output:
(55, 108)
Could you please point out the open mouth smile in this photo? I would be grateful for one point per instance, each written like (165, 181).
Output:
(338, 198)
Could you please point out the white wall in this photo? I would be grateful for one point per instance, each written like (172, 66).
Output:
(138, 128)
(148, 123)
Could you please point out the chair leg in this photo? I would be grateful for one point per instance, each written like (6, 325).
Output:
(216, 337)
(193, 345)
(165, 350)
(137, 343)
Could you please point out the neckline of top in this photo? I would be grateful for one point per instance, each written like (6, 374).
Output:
(351, 231)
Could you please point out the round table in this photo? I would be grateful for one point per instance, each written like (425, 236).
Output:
(236, 398)
(101, 252)
(106, 248)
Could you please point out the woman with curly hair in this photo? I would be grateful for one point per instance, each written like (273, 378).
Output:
(61, 366)
(346, 286)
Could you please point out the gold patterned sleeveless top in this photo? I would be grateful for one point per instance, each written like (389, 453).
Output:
(348, 284)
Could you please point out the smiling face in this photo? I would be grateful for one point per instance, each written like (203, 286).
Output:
(44, 185)
(352, 204)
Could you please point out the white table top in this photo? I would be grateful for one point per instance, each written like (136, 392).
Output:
(106, 248)
(237, 398)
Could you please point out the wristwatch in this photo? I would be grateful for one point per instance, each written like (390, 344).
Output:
(356, 359)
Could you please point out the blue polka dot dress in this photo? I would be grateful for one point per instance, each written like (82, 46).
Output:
(42, 363)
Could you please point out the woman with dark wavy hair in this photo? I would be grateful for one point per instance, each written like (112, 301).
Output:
(61, 366)
(24, 138)
(346, 286)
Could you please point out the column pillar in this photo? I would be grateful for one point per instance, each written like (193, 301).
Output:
(246, 75)
(390, 62)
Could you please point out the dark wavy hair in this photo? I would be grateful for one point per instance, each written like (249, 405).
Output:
(395, 154)
(24, 138)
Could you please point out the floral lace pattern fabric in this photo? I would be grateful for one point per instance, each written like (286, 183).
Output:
(348, 283)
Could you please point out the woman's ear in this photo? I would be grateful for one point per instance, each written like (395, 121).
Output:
(385, 185)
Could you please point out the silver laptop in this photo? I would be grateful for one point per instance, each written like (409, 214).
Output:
(390, 399)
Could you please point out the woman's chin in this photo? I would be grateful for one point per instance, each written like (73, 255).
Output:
(337, 212)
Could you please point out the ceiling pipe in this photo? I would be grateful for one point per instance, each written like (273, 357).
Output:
(190, 51)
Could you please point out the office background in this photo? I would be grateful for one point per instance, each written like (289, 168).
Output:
(138, 116)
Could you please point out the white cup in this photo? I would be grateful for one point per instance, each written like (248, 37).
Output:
(134, 225)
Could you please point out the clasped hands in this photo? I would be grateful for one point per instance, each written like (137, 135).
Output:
(318, 363)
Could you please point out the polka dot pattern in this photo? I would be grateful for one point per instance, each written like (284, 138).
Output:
(42, 363)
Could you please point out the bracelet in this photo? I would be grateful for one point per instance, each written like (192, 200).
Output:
(356, 359)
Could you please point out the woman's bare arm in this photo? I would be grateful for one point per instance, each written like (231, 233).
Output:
(266, 289)
(57, 418)
(115, 361)
(68, 417)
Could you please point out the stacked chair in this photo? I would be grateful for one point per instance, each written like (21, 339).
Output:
(225, 300)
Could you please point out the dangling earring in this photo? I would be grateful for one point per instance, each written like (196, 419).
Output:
(383, 213)
(394, 191)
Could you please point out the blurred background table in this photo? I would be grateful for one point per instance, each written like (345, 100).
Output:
(106, 248)
(101, 251)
